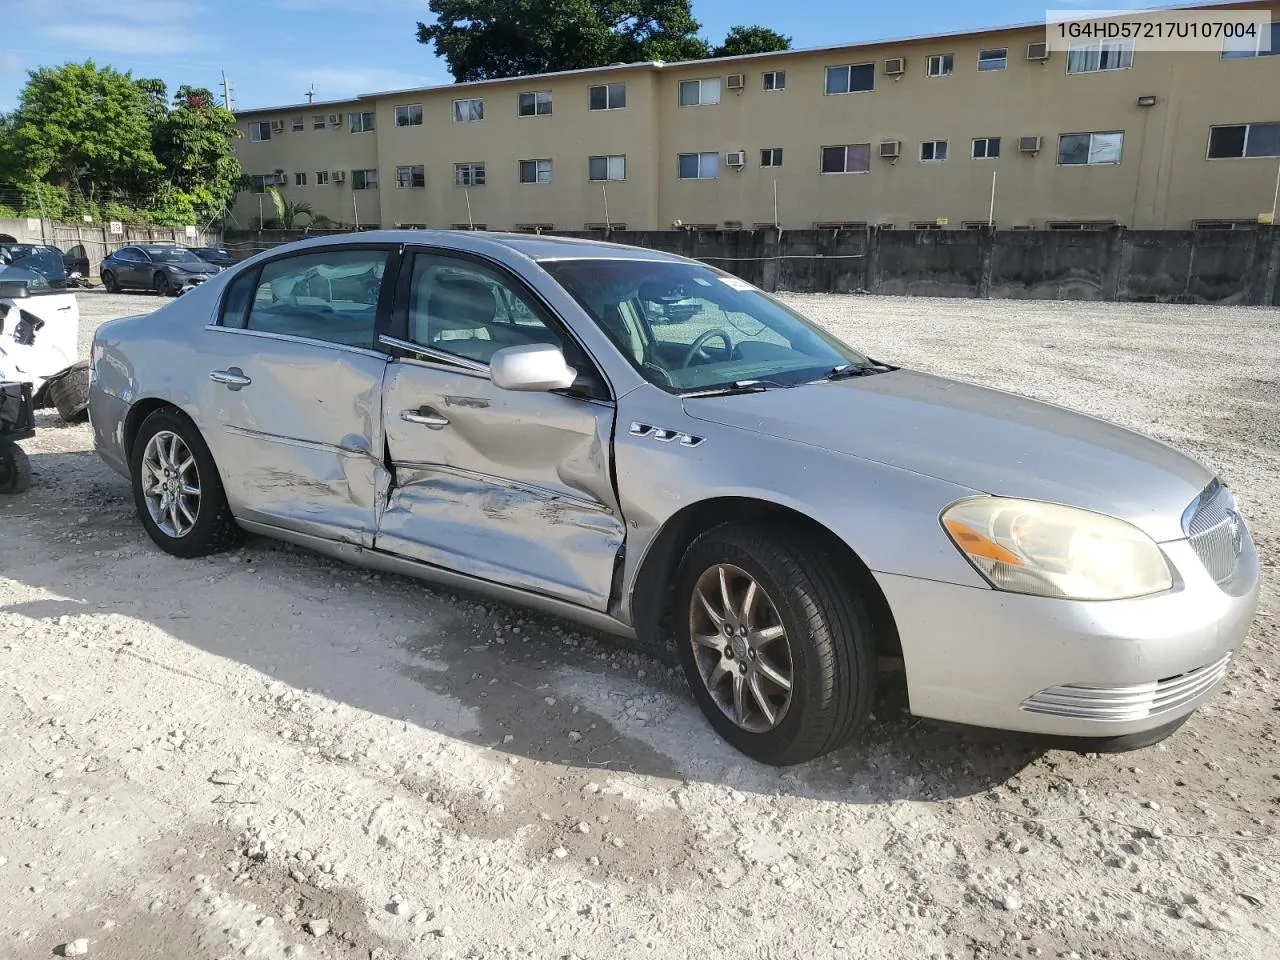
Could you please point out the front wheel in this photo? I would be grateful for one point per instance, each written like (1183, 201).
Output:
(161, 284)
(780, 654)
(176, 488)
(109, 282)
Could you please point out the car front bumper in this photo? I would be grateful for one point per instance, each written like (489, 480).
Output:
(1068, 668)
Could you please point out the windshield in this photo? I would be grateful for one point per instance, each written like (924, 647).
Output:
(40, 267)
(686, 326)
(171, 255)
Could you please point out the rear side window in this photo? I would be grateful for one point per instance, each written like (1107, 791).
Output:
(235, 302)
(331, 296)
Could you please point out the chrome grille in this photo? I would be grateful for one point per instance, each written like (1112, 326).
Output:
(1086, 701)
(1215, 531)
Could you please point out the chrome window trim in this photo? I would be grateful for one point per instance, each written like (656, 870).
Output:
(291, 338)
(433, 355)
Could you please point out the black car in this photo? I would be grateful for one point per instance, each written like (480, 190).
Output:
(214, 255)
(40, 265)
(165, 269)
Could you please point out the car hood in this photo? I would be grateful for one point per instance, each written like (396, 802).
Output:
(987, 440)
(201, 267)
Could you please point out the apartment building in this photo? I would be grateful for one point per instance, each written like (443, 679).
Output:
(920, 132)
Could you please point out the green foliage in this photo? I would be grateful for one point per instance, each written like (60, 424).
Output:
(744, 40)
(484, 39)
(288, 211)
(92, 141)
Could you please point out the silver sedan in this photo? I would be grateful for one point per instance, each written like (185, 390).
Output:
(656, 448)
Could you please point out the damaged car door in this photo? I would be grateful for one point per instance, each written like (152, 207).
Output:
(505, 485)
(294, 383)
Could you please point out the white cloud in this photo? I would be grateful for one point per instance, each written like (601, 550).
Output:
(135, 38)
(10, 63)
(140, 26)
(336, 82)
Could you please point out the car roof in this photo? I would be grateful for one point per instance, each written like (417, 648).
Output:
(534, 246)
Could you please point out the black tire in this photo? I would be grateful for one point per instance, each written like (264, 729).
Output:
(70, 393)
(109, 282)
(829, 634)
(160, 283)
(15, 468)
(214, 528)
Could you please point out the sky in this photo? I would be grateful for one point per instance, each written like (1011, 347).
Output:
(273, 51)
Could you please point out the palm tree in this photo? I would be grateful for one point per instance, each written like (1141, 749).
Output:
(287, 211)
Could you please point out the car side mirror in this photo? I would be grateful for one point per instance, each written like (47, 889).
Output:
(13, 289)
(533, 368)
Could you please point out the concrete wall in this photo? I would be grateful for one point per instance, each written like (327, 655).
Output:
(1238, 267)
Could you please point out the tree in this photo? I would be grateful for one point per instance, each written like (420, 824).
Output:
(288, 211)
(193, 144)
(85, 127)
(743, 40)
(485, 39)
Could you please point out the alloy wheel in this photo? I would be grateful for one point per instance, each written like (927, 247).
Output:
(741, 648)
(171, 484)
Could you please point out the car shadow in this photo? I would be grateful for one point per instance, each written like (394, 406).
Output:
(479, 671)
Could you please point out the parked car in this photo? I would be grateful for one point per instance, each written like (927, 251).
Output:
(39, 260)
(496, 412)
(164, 268)
(214, 255)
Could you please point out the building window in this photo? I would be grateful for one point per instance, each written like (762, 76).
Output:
(771, 157)
(468, 111)
(534, 227)
(986, 148)
(298, 124)
(258, 182)
(409, 115)
(260, 131)
(849, 158)
(699, 93)
(411, 176)
(469, 226)
(607, 168)
(1243, 48)
(322, 178)
(940, 65)
(613, 225)
(1080, 224)
(926, 225)
(535, 171)
(1100, 55)
(299, 179)
(1244, 140)
(933, 151)
(775, 80)
(607, 96)
(364, 179)
(976, 224)
(699, 166)
(362, 122)
(851, 78)
(468, 174)
(536, 104)
(996, 59)
(317, 121)
(1075, 149)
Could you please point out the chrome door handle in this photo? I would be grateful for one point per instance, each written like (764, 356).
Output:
(233, 377)
(425, 416)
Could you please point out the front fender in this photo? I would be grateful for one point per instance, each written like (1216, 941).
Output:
(888, 516)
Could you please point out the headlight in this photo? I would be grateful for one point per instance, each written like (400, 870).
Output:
(1049, 550)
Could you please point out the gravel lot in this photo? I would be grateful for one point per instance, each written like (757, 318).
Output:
(264, 754)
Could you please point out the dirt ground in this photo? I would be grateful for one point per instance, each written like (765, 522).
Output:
(263, 754)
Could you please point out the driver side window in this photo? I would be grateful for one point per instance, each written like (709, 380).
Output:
(469, 310)
(331, 296)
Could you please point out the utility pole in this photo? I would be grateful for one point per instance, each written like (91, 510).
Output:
(228, 96)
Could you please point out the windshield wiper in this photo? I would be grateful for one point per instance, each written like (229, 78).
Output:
(738, 386)
(846, 370)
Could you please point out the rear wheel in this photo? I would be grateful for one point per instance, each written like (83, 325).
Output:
(15, 468)
(109, 282)
(176, 488)
(70, 393)
(779, 653)
(161, 284)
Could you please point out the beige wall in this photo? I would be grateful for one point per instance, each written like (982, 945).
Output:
(1163, 180)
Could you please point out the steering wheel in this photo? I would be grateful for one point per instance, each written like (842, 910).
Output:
(701, 341)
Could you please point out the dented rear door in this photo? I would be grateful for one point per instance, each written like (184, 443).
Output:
(293, 383)
(506, 486)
